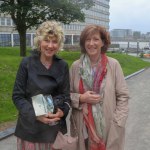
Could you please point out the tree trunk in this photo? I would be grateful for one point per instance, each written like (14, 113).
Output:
(22, 34)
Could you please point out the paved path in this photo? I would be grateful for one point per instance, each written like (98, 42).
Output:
(138, 123)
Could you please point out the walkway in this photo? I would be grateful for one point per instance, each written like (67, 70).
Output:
(138, 123)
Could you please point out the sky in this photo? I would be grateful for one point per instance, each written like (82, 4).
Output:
(130, 14)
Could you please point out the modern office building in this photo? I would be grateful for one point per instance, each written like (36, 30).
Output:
(121, 34)
(98, 14)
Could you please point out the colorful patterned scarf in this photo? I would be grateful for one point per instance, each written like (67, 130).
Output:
(94, 118)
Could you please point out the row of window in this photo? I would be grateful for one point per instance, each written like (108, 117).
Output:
(98, 15)
(78, 27)
(98, 22)
(6, 21)
(100, 9)
(104, 1)
(13, 40)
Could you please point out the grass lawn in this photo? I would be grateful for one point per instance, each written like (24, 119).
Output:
(9, 61)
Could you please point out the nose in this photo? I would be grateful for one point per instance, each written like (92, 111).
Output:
(91, 42)
(50, 44)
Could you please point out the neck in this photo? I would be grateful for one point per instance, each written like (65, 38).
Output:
(46, 61)
(95, 59)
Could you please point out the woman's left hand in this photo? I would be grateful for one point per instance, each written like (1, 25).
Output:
(58, 114)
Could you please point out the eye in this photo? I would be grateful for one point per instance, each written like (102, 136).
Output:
(87, 40)
(55, 41)
(46, 40)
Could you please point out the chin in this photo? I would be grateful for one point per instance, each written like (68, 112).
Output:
(92, 54)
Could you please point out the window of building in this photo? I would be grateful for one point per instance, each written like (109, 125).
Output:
(28, 39)
(68, 39)
(5, 39)
(3, 21)
(16, 40)
(76, 39)
(8, 21)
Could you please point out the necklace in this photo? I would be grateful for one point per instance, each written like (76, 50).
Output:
(46, 64)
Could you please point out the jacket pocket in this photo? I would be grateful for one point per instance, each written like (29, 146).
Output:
(115, 138)
(27, 126)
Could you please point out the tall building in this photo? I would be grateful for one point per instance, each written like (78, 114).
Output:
(121, 34)
(98, 14)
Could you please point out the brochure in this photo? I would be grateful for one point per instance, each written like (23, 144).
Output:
(42, 104)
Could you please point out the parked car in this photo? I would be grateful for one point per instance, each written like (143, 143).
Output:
(146, 47)
(146, 54)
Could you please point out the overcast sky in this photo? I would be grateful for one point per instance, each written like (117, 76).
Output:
(130, 14)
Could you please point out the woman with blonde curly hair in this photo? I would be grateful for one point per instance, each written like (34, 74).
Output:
(42, 73)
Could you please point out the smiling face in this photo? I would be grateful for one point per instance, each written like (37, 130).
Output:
(49, 47)
(98, 36)
(93, 44)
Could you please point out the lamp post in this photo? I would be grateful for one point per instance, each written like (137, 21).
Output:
(137, 47)
(12, 38)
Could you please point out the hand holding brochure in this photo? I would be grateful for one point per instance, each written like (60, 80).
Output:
(42, 104)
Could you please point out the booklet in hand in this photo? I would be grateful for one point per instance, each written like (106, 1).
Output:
(42, 104)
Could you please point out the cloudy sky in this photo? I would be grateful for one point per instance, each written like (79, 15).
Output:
(130, 14)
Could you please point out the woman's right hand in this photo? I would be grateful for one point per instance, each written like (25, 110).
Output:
(46, 119)
(90, 97)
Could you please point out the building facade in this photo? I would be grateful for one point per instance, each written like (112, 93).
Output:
(121, 34)
(97, 14)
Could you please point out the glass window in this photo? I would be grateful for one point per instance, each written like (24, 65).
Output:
(2, 21)
(16, 40)
(68, 39)
(28, 39)
(76, 39)
(5, 39)
(8, 21)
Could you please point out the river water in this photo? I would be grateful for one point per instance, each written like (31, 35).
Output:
(124, 44)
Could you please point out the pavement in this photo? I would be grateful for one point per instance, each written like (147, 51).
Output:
(138, 123)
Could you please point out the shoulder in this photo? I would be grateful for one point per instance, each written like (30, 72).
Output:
(112, 62)
(75, 67)
(115, 67)
(59, 60)
(25, 60)
(75, 63)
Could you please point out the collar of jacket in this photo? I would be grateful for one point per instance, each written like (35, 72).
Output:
(56, 70)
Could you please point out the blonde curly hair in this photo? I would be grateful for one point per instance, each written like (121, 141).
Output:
(48, 30)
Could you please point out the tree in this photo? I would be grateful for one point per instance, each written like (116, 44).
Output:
(29, 13)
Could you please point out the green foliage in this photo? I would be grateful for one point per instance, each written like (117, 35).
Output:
(9, 62)
(129, 64)
(32, 12)
(29, 13)
(69, 56)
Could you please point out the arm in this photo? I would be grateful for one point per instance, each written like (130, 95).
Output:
(78, 99)
(122, 97)
(63, 99)
(73, 92)
(19, 93)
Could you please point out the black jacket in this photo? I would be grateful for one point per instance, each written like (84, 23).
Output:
(32, 79)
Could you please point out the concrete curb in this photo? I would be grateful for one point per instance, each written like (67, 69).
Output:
(10, 131)
(135, 73)
(7, 132)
